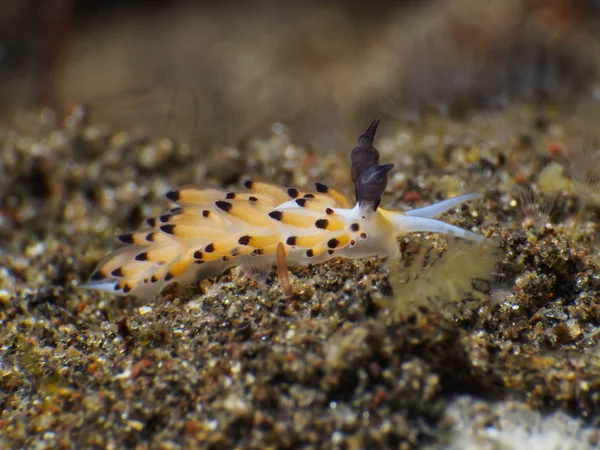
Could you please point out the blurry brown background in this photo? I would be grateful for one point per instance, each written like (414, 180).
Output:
(214, 73)
(230, 365)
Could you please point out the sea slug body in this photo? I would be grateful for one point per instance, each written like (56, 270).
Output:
(212, 230)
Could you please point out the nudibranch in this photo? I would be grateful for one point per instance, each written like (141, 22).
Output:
(211, 230)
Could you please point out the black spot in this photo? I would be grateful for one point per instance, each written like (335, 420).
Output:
(117, 273)
(169, 276)
(146, 279)
(153, 279)
(151, 221)
(142, 256)
(96, 276)
(205, 213)
(355, 227)
(175, 210)
(258, 251)
(209, 248)
(169, 229)
(117, 288)
(248, 184)
(225, 206)
(253, 199)
(165, 217)
(330, 251)
(293, 192)
(329, 211)
(309, 196)
(126, 238)
(322, 223)
(352, 242)
(301, 202)
(310, 253)
(150, 237)
(363, 235)
(333, 243)
(321, 188)
(230, 196)
(197, 254)
(291, 240)
(173, 195)
(126, 288)
(277, 215)
(199, 261)
(244, 240)
(225, 258)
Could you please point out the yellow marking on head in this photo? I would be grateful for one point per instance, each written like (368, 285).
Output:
(387, 214)
(385, 222)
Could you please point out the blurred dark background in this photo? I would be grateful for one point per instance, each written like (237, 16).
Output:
(216, 72)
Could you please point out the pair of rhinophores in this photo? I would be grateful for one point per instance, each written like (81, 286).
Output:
(212, 230)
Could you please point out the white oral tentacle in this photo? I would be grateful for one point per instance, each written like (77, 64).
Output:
(409, 224)
(437, 209)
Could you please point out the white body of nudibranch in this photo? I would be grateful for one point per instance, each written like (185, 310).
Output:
(212, 230)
